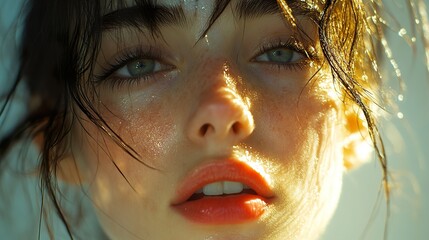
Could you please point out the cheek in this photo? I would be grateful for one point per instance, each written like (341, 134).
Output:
(115, 178)
(305, 144)
(146, 125)
(147, 138)
(303, 134)
(150, 133)
(295, 126)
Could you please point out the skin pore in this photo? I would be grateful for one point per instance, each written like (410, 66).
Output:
(243, 91)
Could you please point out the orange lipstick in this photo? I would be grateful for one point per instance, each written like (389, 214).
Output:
(223, 192)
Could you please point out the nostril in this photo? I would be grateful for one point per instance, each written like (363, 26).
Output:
(214, 123)
(236, 127)
(204, 128)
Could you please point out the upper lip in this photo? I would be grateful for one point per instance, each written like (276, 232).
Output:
(224, 170)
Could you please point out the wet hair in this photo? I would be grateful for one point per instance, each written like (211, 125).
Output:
(61, 40)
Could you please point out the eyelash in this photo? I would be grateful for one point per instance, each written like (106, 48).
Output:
(126, 57)
(129, 55)
(291, 44)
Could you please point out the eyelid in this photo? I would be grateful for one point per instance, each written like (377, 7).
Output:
(125, 57)
(159, 66)
(264, 57)
(291, 43)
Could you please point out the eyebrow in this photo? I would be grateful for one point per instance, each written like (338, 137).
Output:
(257, 8)
(147, 14)
(152, 16)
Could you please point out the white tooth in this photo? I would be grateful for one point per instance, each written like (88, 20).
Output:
(232, 187)
(213, 189)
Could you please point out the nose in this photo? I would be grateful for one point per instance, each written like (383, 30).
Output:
(221, 116)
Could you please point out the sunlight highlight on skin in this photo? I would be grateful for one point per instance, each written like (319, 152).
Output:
(265, 168)
(231, 87)
(231, 84)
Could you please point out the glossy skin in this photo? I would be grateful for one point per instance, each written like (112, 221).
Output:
(214, 98)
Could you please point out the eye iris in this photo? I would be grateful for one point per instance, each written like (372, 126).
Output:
(141, 67)
(280, 55)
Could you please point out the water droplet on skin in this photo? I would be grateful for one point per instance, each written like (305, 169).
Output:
(401, 97)
(400, 115)
(206, 38)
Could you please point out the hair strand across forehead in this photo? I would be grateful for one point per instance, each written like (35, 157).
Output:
(287, 11)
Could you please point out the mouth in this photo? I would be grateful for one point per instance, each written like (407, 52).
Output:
(223, 192)
(222, 189)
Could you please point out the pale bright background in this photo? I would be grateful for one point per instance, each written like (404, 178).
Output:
(358, 215)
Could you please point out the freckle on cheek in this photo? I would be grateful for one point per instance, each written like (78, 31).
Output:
(150, 134)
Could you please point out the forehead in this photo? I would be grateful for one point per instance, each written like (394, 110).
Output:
(200, 9)
(190, 6)
(152, 14)
(193, 7)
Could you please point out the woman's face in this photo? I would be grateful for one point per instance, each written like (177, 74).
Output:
(244, 112)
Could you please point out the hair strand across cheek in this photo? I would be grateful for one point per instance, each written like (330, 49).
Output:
(212, 119)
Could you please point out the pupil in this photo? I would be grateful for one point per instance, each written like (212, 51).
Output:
(141, 67)
(277, 53)
(281, 55)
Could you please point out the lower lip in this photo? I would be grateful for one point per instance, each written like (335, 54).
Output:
(232, 209)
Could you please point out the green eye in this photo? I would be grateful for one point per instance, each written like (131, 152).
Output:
(279, 56)
(140, 67)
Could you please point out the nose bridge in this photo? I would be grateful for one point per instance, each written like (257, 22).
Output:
(218, 83)
(221, 86)
(222, 113)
